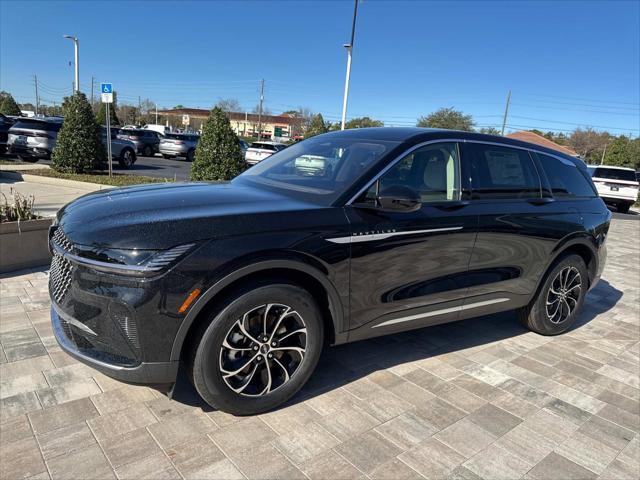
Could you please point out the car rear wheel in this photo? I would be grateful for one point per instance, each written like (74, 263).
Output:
(127, 158)
(560, 298)
(190, 154)
(258, 350)
(624, 207)
(147, 151)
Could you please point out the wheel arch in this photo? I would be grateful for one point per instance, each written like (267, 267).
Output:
(307, 276)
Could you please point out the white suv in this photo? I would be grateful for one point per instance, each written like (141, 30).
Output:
(258, 151)
(616, 185)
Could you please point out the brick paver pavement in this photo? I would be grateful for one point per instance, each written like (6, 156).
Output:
(482, 398)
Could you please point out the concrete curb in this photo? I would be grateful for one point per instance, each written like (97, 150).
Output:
(25, 177)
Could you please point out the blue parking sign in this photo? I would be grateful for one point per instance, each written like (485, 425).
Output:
(106, 88)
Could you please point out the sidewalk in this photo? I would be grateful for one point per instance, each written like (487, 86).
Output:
(48, 198)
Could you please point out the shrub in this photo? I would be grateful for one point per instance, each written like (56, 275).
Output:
(78, 148)
(8, 105)
(218, 155)
(101, 116)
(20, 209)
(316, 126)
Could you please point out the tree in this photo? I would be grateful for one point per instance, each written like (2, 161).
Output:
(78, 147)
(447, 118)
(8, 105)
(101, 116)
(489, 131)
(218, 154)
(588, 143)
(623, 152)
(316, 126)
(363, 122)
(229, 105)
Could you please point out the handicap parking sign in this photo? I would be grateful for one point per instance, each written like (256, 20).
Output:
(106, 88)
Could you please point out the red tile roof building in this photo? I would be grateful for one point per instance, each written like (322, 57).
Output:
(532, 137)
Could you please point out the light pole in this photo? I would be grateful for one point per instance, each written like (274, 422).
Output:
(77, 73)
(349, 47)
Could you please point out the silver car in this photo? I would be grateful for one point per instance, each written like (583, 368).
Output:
(179, 145)
(124, 151)
(31, 139)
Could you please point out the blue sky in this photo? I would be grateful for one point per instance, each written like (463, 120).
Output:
(572, 63)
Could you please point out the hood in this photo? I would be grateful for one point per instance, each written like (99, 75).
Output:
(158, 216)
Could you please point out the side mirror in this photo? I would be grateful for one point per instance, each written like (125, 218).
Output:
(398, 198)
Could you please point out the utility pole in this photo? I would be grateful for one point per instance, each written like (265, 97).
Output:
(349, 47)
(92, 79)
(35, 81)
(603, 152)
(76, 45)
(139, 109)
(260, 110)
(506, 112)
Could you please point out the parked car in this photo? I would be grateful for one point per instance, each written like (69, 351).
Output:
(179, 145)
(124, 151)
(244, 146)
(147, 142)
(617, 186)
(392, 229)
(5, 125)
(161, 129)
(258, 151)
(31, 139)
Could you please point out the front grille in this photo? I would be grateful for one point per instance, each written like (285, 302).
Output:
(60, 239)
(59, 277)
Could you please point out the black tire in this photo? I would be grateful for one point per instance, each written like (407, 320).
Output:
(205, 362)
(127, 158)
(22, 158)
(147, 151)
(541, 320)
(624, 207)
(190, 155)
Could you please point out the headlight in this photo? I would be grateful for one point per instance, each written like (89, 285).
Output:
(128, 261)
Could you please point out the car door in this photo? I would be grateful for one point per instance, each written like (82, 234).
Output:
(408, 268)
(518, 227)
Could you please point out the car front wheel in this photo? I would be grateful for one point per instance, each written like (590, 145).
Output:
(147, 151)
(127, 158)
(258, 350)
(560, 298)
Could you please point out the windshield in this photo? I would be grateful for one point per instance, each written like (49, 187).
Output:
(613, 173)
(319, 169)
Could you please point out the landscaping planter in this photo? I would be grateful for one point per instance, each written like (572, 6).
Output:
(24, 244)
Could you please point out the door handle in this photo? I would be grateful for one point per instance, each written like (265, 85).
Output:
(449, 206)
(540, 201)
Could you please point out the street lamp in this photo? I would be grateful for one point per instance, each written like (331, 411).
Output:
(349, 47)
(77, 73)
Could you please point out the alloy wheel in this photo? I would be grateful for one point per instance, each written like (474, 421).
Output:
(263, 350)
(127, 158)
(564, 294)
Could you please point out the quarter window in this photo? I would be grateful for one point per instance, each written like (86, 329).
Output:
(501, 172)
(565, 179)
(432, 171)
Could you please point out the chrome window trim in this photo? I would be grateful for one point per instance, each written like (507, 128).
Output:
(451, 140)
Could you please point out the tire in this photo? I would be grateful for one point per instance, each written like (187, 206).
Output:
(623, 207)
(190, 154)
(147, 151)
(167, 157)
(22, 158)
(563, 279)
(247, 307)
(127, 158)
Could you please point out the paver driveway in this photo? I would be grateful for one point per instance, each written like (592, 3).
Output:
(480, 398)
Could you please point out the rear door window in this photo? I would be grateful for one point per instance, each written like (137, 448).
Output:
(499, 172)
(565, 178)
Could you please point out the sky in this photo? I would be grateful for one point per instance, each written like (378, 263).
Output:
(568, 63)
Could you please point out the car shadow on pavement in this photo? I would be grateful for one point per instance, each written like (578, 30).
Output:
(343, 364)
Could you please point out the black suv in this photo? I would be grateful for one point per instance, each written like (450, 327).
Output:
(341, 237)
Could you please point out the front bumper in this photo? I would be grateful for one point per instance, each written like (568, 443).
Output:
(158, 374)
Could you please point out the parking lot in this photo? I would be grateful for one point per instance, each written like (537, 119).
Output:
(479, 398)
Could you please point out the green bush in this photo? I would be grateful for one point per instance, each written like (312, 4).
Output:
(218, 155)
(8, 105)
(79, 148)
(316, 126)
(101, 116)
